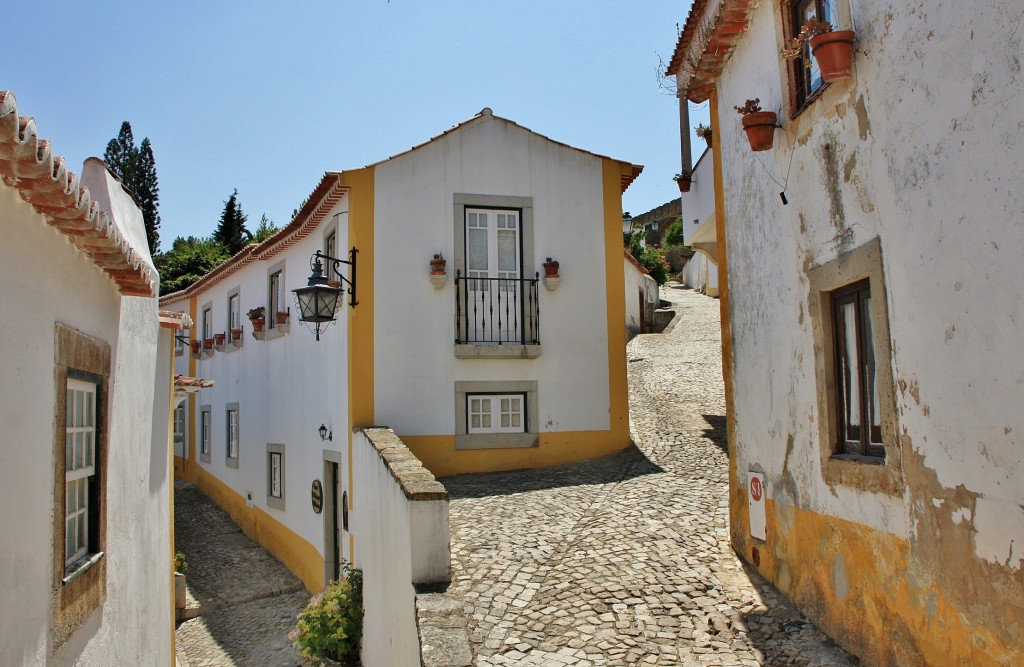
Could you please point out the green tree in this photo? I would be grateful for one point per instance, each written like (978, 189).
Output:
(188, 260)
(265, 229)
(231, 232)
(136, 167)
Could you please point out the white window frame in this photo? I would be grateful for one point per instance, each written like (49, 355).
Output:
(232, 439)
(179, 423)
(205, 433)
(276, 476)
(526, 436)
(234, 311)
(275, 295)
(331, 250)
(79, 468)
(207, 321)
(495, 413)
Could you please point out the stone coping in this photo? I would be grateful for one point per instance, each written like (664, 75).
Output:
(417, 482)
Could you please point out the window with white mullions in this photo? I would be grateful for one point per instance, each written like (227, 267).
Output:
(232, 419)
(494, 255)
(79, 467)
(860, 426)
(495, 413)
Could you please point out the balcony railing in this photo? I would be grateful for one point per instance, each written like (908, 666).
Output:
(502, 311)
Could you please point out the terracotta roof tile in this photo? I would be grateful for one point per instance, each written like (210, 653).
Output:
(28, 165)
(712, 30)
(185, 381)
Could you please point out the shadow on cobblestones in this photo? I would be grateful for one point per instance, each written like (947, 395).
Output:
(627, 464)
(626, 560)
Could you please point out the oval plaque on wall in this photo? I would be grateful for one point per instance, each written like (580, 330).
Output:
(318, 496)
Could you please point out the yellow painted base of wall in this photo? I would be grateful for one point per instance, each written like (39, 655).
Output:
(439, 456)
(867, 591)
(298, 555)
(712, 292)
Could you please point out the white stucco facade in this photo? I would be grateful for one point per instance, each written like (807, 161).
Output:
(900, 174)
(398, 358)
(51, 286)
(641, 295)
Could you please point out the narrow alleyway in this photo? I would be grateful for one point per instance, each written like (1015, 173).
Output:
(242, 602)
(625, 560)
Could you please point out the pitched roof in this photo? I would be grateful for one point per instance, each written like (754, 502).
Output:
(28, 165)
(325, 196)
(626, 180)
(712, 30)
(184, 382)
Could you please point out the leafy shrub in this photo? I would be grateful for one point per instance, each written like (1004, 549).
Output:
(654, 261)
(331, 625)
(180, 564)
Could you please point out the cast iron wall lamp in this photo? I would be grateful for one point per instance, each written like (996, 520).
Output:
(318, 301)
(325, 434)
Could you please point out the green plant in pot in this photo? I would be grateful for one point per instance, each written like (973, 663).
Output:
(683, 179)
(758, 124)
(704, 132)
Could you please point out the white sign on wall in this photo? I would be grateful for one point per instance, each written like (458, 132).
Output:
(755, 502)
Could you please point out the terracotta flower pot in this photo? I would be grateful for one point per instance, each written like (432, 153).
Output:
(760, 129)
(437, 266)
(258, 323)
(684, 184)
(196, 345)
(208, 343)
(282, 317)
(551, 268)
(833, 52)
(236, 334)
(218, 339)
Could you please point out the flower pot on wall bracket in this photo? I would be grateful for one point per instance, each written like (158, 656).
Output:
(236, 334)
(282, 317)
(551, 268)
(258, 323)
(684, 184)
(218, 339)
(833, 52)
(196, 345)
(760, 128)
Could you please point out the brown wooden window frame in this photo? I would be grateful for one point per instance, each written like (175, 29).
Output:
(803, 90)
(864, 439)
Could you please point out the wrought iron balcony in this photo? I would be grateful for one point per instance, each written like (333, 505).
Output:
(501, 311)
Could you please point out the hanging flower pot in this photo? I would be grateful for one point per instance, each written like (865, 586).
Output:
(551, 268)
(759, 125)
(282, 317)
(236, 334)
(683, 181)
(437, 265)
(208, 343)
(196, 345)
(258, 323)
(833, 52)
(218, 339)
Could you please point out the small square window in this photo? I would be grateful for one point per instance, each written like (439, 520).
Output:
(496, 413)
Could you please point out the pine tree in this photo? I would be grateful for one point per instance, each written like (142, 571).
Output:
(148, 194)
(136, 168)
(265, 229)
(231, 232)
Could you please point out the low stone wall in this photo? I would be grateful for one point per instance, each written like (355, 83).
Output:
(400, 522)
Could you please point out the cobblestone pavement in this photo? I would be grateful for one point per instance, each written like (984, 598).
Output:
(243, 600)
(625, 560)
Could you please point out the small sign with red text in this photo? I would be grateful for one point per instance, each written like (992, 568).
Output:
(755, 501)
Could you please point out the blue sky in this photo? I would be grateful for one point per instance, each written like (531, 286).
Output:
(266, 96)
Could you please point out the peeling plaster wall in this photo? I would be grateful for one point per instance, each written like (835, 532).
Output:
(918, 149)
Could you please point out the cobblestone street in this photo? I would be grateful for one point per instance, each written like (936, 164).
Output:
(625, 560)
(241, 600)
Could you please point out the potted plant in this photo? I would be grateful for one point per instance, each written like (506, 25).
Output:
(704, 132)
(196, 345)
(832, 49)
(207, 343)
(236, 334)
(683, 180)
(218, 339)
(282, 317)
(437, 264)
(550, 268)
(257, 318)
(759, 125)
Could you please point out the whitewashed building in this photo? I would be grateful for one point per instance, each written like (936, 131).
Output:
(870, 280)
(86, 556)
(484, 364)
(698, 217)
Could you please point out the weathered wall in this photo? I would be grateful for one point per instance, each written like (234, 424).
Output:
(918, 150)
(403, 540)
(133, 624)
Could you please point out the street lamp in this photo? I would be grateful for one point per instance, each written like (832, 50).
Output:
(318, 301)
